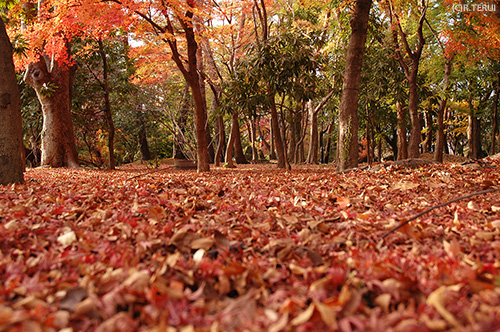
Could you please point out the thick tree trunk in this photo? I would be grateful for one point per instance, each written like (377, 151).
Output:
(347, 145)
(52, 83)
(11, 131)
(402, 143)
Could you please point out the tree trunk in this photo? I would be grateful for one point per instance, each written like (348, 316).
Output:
(52, 83)
(192, 78)
(328, 145)
(402, 144)
(494, 119)
(239, 156)
(143, 143)
(11, 132)
(230, 144)
(427, 144)
(179, 129)
(252, 132)
(278, 141)
(272, 148)
(312, 155)
(263, 138)
(347, 145)
(474, 137)
(411, 73)
(440, 137)
(107, 108)
(416, 125)
(221, 139)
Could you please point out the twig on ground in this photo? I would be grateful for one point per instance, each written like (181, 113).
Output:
(477, 193)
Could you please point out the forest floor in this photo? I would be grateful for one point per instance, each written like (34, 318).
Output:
(252, 249)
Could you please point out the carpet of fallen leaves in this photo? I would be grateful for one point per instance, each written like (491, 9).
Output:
(250, 249)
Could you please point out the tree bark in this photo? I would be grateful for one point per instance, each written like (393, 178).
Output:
(107, 108)
(192, 78)
(239, 156)
(143, 142)
(402, 143)
(230, 143)
(411, 73)
(494, 119)
(312, 156)
(53, 83)
(221, 139)
(427, 144)
(440, 136)
(278, 141)
(11, 131)
(416, 125)
(347, 145)
(474, 137)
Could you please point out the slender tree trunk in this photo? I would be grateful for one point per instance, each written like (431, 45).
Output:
(347, 145)
(494, 119)
(328, 146)
(427, 144)
(107, 108)
(278, 141)
(11, 131)
(440, 136)
(234, 132)
(411, 73)
(192, 78)
(272, 149)
(402, 143)
(239, 156)
(416, 125)
(474, 136)
(263, 138)
(312, 155)
(178, 152)
(253, 137)
(220, 141)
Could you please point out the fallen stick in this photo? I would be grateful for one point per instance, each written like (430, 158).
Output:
(477, 193)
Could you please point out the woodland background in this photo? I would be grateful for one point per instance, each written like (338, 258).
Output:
(428, 68)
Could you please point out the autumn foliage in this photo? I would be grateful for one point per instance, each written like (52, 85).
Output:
(250, 249)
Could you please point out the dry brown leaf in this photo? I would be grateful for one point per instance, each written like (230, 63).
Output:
(437, 300)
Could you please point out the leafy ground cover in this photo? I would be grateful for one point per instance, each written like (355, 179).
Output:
(251, 249)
